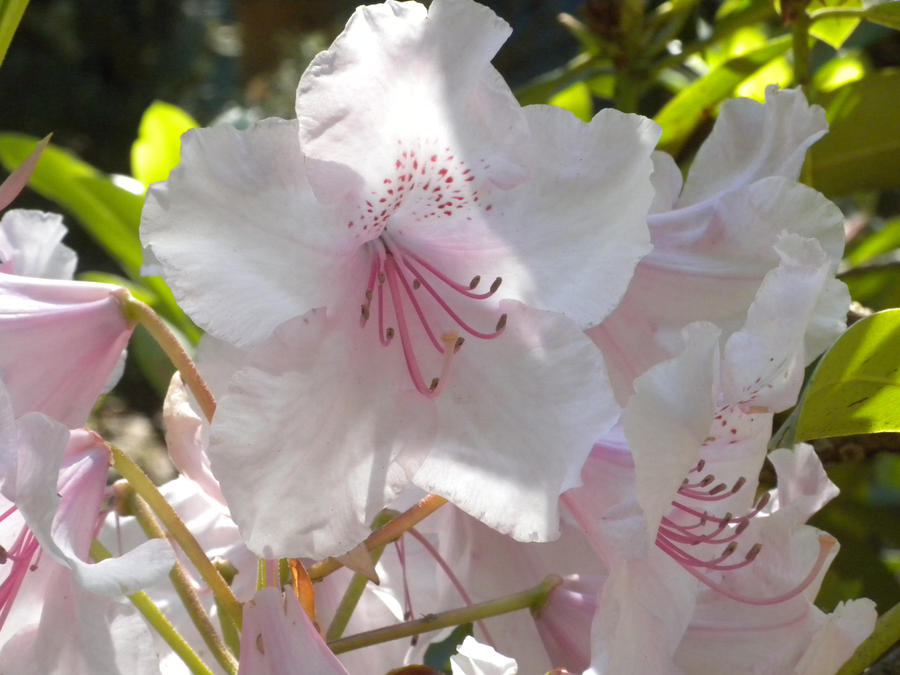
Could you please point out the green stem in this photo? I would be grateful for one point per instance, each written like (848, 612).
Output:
(386, 534)
(533, 597)
(885, 636)
(184, 588)
(801, 49)
(348, 603)
(137, 311)
(178, 532)
(158, 621)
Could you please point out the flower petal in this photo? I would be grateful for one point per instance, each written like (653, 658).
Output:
(30, 245)
(62, 341)
(425, 78)
(751, 140)
(279, 639)
(518, 419)
(244, 244)
(305, 442)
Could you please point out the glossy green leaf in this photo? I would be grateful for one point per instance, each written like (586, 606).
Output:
(862, 148)
(680, 116)
(839, 71)
(856, 387)
(886, 239)
(885, 13)
(577, 100)
(11, 12)
(833, 31)
(157, 149)
(875, 286)
(109, 213)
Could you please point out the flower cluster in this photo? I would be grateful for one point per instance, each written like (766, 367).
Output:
(420, 292)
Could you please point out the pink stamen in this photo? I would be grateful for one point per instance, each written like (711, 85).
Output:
(456, 286)
(454, 580)
(389, 264)
(826, 543)
(406, 343)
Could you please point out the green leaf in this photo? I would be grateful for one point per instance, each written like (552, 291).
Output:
(680, 116)
(885, 13)
(438, 653)
(11, 12)
(856, 387)
(109, 213)
(875, 286)
(862, 148)
(577, 100)
(839, 71)
(886, 239)
(157, 149)
(833, 31)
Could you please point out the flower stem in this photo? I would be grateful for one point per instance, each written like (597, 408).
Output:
(801, 49)
(386, 534)
(178, 532)
(885, 636)
(183, 587)
(137, 311)
(454, 617)
(349, 601)
(158, 621)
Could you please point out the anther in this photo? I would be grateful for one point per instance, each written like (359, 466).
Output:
(753, 552)
(718, 488)
(707, 479)
(458, 344)
(743, 525)
(389, 333)
(496, 284)
(434, 384)
(4, 556)
(728, 550)
(475, 281)
(738, 484)
(416, 284)
(501, 322)
(364, 311)
(700, 465)
(761, 504)
(381, 278)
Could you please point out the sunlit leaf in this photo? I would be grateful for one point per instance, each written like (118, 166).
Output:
(157, 148)
(885, 13)
(862, 148)
(109, 213)
(680, 116)
(577, 100)
(856, 387)
(777, 72)
(11, 12)
(839, 71)
(886, 239)
(833, 31)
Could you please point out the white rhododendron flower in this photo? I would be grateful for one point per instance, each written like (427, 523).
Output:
(409, 266)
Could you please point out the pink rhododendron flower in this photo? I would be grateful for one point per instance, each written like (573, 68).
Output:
(278, 638)
(60, 613)
(63, 340)
(714, 243)
(669, 506)
(364, 244)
